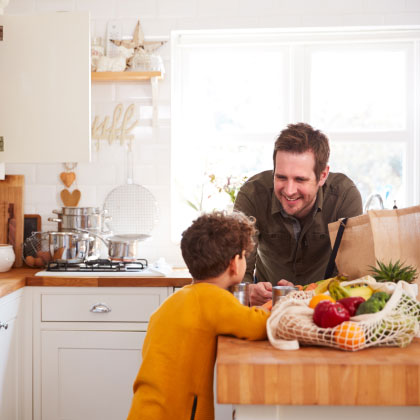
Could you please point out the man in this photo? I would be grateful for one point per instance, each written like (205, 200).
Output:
(293, 206)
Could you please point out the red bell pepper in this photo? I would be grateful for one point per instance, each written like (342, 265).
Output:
(329, 314)
(352, 303)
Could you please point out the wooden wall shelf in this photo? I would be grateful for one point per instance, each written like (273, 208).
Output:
(133, 76)
(124, 76)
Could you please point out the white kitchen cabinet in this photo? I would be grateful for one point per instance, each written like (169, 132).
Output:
(12, 375)
(85, 362)
(45, 87)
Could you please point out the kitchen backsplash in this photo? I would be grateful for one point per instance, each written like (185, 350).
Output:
(152, 146)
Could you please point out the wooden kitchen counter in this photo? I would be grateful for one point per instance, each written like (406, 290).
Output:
(257, 373)
(20, 277)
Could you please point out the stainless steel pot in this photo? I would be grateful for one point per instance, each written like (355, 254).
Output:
(123, 247)
(72, 218)
(86, 219)
(71, 247)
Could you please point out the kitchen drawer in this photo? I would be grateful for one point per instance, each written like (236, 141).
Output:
(102, 307)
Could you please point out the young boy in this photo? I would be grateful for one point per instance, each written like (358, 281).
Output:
(175, 380)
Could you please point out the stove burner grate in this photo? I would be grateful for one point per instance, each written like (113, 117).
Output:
(100, 265)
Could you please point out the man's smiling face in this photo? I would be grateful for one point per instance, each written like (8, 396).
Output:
(295, 183)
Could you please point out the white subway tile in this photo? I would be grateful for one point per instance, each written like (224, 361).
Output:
(138, 8)
(218, 8)
(26, 169)
(55, 5)
(88, 196)
(49, 173)
(102, 91)
(412, 5)
(256, 8)
(145, 174)
(409, 18)
(158, 28)
(280, 21)
(97, 8)
(385, 6)
(133, 91)
(367, 19)
(96, 174)
(179, 8)
(40, 194)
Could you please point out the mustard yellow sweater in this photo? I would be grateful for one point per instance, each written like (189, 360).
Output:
(179, 351)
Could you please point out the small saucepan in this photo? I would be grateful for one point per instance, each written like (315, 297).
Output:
(123, 247)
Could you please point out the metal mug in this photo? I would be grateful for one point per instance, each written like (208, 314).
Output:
(280, 292)
(241, 292)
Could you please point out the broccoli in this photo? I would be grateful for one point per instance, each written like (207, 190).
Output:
(374, 304)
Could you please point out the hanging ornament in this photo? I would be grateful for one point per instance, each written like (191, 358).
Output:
(69, 199)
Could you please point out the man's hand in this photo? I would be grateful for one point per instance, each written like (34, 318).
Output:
(284, 282)
(259, 293)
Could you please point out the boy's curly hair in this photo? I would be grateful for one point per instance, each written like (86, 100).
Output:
(213, 239)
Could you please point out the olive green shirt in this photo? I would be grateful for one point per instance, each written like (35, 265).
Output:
(287, 248)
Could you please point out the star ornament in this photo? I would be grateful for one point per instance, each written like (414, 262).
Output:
(138, 44)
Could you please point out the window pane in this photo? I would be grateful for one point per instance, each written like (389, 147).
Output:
(358, 90)
(374, 168)
(235, 89)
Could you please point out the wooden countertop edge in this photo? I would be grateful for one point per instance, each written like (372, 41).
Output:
(257, 373)
(18, 278)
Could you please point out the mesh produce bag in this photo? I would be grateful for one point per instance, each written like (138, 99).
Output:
(291, 323)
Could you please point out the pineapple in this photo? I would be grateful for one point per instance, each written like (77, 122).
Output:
(394, 272)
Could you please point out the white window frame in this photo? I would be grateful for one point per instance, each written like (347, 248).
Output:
(298, 102)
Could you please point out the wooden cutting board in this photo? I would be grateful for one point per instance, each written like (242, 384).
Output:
(11, 214)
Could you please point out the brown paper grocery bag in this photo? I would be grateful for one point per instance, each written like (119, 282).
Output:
(384, 235)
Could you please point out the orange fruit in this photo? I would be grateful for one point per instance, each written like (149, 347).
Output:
(318, 298)
(349, 336)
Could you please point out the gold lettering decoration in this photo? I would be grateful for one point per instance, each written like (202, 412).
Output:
(115, 132)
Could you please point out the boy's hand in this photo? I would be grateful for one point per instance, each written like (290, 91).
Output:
(259, 293)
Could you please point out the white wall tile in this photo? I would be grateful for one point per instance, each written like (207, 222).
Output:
(136, 8)
(97, 8)
(380, 6)
(218, 8)
(97, 174)
(40, 194)
(256, 8)
(412, 5)
(409, 18)
(26, 169)
(158, 28)
(49, 174)
(179, 8)
(55, 5)
(102, 92)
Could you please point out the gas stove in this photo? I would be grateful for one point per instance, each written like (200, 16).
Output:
(100, 268)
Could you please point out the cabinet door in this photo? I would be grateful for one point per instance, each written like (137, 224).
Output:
(45, 87)
(10, 362)
(88, 374)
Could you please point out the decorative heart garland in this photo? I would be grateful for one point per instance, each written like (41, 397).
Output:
(69, 199)
(67, 178)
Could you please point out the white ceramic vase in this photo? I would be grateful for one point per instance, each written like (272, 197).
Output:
(7, 257)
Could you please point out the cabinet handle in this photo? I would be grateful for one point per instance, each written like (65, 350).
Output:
(100, 308)
(4, 325)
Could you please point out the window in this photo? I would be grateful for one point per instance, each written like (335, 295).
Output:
(234, 91)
